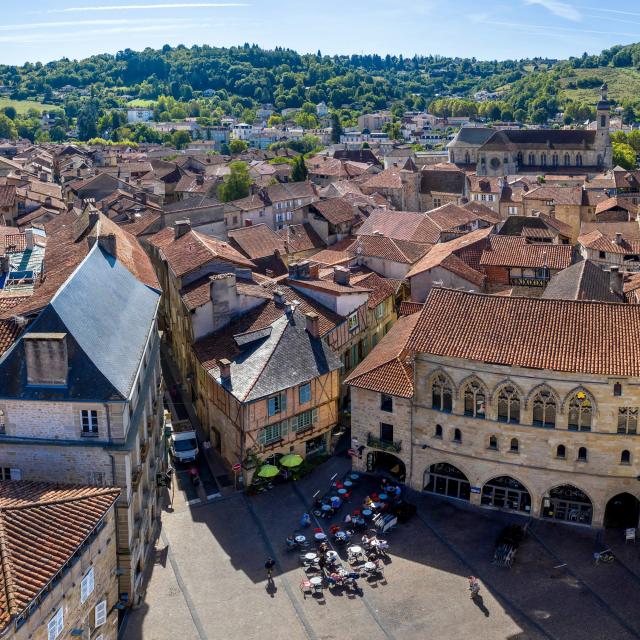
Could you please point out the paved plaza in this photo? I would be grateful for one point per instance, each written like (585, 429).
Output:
(208, 581)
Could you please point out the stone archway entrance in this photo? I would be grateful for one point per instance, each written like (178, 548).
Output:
(505, 492)
(622, 512)
(567, 503)
(446, 480)
(387, 464)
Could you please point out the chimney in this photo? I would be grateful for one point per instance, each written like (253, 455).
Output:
(313, 324)
(199, 179)
(314, 271)
(28, 238)
(616, 281)
(618, 239)
(278, 297)
(341, 275)
(46, 357)
(180, 228)
(225, 369)
(108, 243)
(224, 299)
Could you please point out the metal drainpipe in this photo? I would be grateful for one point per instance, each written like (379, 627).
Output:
(411, 426)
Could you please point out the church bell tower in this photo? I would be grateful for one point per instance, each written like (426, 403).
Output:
(603, 140)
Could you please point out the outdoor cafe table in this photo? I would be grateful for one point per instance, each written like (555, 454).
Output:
(348, 483)
(332, 555)
(341, 535)
(310, 556)
(383, 497)
(300, 539)
(355, 550)
(326, 507)
(342, 491)
(320, 537)
(354, 476)
(316, 581)
(367, 513)
(369, 566)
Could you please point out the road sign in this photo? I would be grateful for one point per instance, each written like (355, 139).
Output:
(237, 466)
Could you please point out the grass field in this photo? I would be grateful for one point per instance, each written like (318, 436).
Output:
(624, 83)
(139, 102)
(22, 106)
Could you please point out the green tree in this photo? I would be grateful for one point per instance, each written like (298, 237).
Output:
(274, 120)
(336, 128)
(237, 146)
(57, 134)
(87, 121)
(10, 112)
(306, 120)
(237, 184)
(7, 128)
(624, 155)
(180, 139)
(299, 170)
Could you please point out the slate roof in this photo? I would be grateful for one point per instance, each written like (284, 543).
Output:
(271, 363)
(599, 338)
(472, 136)
(442, 181)
(42, 527)
(511, 251)
(106, 333)
(581, 281)
(389, 367)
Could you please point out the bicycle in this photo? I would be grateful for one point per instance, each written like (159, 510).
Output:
(603, 556)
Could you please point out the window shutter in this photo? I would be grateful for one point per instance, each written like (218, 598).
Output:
(283, 427)
(293, 424)
(16, 474)
(101, 613)
(262, 436)
(314, 415)
(271, 404)
(86, 586)
(283, 402)
(51, 629)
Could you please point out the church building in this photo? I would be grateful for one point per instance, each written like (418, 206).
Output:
(509, 152)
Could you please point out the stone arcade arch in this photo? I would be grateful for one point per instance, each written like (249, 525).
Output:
(445, 479)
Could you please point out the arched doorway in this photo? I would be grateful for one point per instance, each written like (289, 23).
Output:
(505, 492)
(567, 503)
(386, 464)
(622, 512)
(446, 480)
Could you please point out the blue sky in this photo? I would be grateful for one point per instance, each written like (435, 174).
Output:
(43, 30)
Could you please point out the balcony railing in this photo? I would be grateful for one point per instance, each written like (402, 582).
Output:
(385, 445)
(528, 281)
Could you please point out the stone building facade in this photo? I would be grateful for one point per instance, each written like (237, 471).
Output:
(542, 441)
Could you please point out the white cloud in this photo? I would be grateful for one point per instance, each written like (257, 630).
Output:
(155, 7)
(559, 9)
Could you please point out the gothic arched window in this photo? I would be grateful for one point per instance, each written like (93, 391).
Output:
(474, 400)
(508, 405)
(554, 159)
(441, 394)
(567, 159)
(579, 160)
(544, 409)
(580, 412)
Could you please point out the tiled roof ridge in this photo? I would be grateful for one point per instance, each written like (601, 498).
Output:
(32, 504)
(7, 575)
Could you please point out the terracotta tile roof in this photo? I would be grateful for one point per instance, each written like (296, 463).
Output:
(193, 250)
(559, 195)
(198, 293)
(328, 286)
(7, 195)
(389, 367)
(380, 288)
(256, 241)
(629, 230)
(450, 216)
(561, 227)
(598, 241)
(42, 526)
(388, 179)
(597, 338)
(615, 203)
(627, 179)
(9, 333)
(251, 202)
(402, 251)
(484, 184)
(401, 225)
(301, 237)
(335, 210)
(514, 251)
(330, 257)
(407, 307)
(476, 240)
(142, 223)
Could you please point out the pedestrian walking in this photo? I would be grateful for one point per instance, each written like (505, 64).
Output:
(268, 565)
